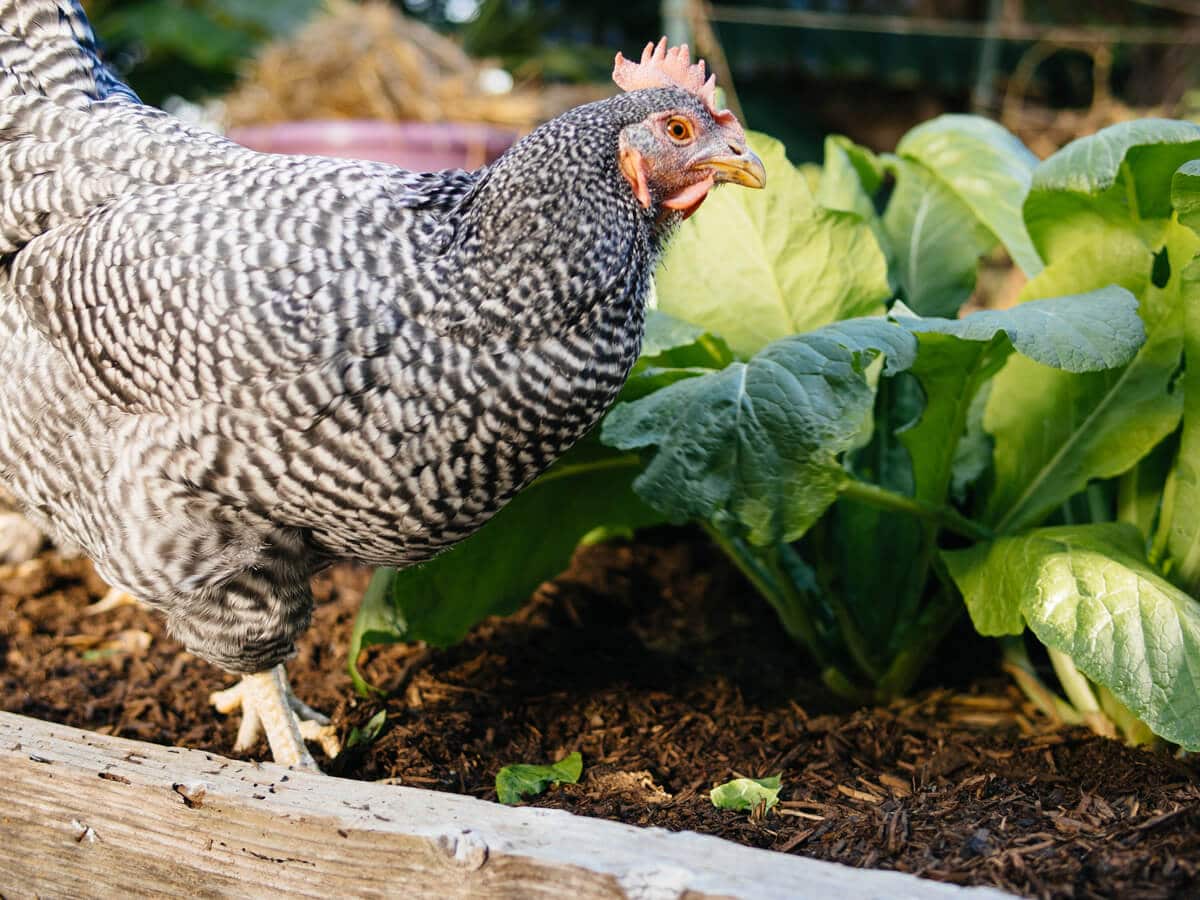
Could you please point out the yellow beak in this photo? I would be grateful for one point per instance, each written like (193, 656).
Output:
(743, 168)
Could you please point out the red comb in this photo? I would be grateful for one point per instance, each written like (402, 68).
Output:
(668, 67)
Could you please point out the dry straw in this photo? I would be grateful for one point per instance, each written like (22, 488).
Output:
(368, 60)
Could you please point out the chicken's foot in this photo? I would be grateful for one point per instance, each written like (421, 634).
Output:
(114, 599)
(20, 539)
(268, 704)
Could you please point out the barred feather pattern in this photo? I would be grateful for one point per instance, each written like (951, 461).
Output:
(47, 47)
(221, 370)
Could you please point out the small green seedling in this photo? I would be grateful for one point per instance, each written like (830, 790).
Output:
(515, 782)
(369, 732)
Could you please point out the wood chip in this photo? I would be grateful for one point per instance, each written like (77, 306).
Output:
(857, 794)
(800, 814)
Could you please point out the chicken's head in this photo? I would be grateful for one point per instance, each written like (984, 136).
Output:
(675, 155)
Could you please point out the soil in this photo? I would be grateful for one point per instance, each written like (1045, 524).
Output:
(668, 675)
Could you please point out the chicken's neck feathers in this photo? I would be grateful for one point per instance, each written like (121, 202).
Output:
(548, 235)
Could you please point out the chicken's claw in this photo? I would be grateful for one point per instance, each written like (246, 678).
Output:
(20, 539)
(268, 704)
(114, 599)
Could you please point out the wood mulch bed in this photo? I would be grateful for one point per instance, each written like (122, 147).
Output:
(637, 658)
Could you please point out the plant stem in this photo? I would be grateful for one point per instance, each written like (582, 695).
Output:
(710, 347)
(920, 640)
(1098, 506)
(771, 579)
(1079, 692)
(774, 587)
(1127, 494)
(835, 602)
(854, 640)
(625, 461)
(1158, 548)
(1135, 730)
(944, 516)
(1018, 664)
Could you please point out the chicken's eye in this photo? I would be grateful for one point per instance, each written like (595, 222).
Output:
(679, 129)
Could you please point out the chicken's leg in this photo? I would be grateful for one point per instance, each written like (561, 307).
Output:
(268, 704)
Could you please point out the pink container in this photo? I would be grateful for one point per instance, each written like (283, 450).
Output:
(417, 146)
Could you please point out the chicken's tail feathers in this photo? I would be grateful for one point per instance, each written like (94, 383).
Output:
(47, 48)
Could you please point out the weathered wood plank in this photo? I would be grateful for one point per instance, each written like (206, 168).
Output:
(86, 815)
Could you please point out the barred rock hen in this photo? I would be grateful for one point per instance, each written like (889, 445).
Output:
(222, 370)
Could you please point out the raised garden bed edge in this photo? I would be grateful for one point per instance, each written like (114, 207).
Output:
(85, 814)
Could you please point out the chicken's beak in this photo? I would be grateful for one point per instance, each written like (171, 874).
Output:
(738, 166)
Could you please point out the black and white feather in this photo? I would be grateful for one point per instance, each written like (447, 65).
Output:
(220, 370)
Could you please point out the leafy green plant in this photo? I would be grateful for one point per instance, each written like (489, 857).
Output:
(1095, 477)
(516, 782)
(809, 396)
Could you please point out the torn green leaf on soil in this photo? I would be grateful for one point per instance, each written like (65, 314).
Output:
(513, 783)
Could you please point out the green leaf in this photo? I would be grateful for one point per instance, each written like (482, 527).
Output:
(935, 239)
(378, 622)
(182, 31)
(1181, 504)
(1099, 209)
(1082, 333)
(1183, 538)
(988, 168)
(672, 343)
(665, 332)
(957, 357)
(1088, 592)
(758, 441)
(747, 794)
(851, 174)
(673, 350)
(1140, 490)
(973, 456)
(811, 173)
(785, 263)
(515, 782)
(849, 181)
(1105, 254)
(495, 570)
(369, 732)
(989, 575)
(1118, 179)
(951, 373)
(1055, 431)
(868, 600)
(1150, 151)
(1185, 194)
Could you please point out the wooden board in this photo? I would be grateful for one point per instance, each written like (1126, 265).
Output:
(87, 815)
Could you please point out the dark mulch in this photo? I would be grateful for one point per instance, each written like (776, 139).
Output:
(637, 659)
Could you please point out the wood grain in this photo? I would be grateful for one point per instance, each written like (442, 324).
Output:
(87, 815)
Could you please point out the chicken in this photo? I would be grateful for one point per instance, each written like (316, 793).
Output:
(221, 370)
